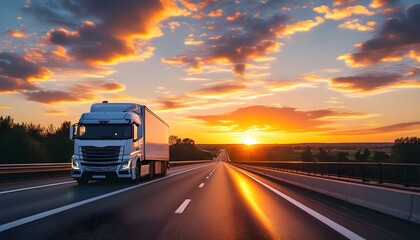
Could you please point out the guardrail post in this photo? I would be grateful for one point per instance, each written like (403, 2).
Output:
(406, 176)
(381, 173)
(339, 170)
(364, 172)
(329, 169)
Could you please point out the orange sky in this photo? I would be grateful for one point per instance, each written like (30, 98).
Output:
(220, 72)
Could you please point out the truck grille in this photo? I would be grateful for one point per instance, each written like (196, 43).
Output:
(101, 155)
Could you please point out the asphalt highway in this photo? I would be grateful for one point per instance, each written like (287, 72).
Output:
(201, 201)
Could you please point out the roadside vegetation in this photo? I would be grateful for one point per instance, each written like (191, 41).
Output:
(403, 150)
(185, 149)
(30, 143)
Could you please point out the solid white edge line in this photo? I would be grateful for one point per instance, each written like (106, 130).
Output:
(36, 187)
(335, 226)
(201, 185)
(38, 216)
(183, 206)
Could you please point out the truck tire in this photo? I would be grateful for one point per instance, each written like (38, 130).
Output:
(164, 168)
(82, 181)
(152, 169)
(138, 171)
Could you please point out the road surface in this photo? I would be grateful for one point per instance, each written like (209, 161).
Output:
(201, 201)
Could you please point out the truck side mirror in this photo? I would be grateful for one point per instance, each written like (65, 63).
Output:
(73, 131)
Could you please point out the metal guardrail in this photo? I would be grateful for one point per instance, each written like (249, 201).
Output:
(33, 167)
(59, 167)
(403, 174)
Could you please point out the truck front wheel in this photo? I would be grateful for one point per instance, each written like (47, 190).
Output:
(82, 181)
(138, 171)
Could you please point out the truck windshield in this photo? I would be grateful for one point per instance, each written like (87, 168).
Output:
(106, 131)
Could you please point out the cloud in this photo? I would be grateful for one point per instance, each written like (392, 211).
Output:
(342, 2)
(15, 66)
(17, 73)
(5, 107)
(78, 93)
(245, 36)
(16, 33)
(55, 112)
(219, 90)
(303, 26)
(342, 13)
(399, 127)
(236, 16)
(194, 5)
(247, 40)
(273, 119)
(216, 13)
(225, 93)
(107, 32)
(397, 38)
(382, 3)
(356, 25)
(372, 83)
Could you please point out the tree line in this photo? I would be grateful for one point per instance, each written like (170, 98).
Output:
(31, 143)
(185, 149)
(404, 150)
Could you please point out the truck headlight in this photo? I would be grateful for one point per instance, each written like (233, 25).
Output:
(126, 165)
(75, 164)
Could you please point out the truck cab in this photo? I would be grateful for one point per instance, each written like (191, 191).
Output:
(110, 143)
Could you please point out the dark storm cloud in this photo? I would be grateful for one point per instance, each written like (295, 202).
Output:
(16, 73)
(78, 93)
(365, 83)
(15, 66)
(398, 37)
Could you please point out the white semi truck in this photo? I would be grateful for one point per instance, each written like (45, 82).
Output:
(119, 141)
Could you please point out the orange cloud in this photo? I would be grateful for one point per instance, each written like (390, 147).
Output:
(193, 5)
(55, 112)
(235, 16)
(342, 2)
(219, 90)
(356, 25)
(195, 63)
(302, 26)
(342, 13)
(78, 93)
(381, 3)
(16, 33)
(216, 13)
(5, 107)
(190, 41)
(17, 73)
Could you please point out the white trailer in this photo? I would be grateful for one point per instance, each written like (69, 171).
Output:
(119, 141)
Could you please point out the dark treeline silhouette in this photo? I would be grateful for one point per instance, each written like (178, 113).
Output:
(185, 149)
(30, 143)
(404, 150)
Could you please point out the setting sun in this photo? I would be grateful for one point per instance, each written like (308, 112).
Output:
(249, 140)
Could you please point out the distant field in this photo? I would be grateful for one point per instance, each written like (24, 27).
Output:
(293, 152)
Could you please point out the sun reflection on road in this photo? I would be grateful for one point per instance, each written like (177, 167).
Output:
(253, 201)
